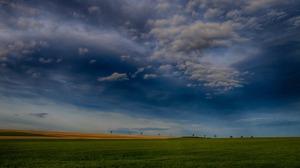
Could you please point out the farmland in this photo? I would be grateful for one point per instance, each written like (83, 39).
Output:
(180, 152)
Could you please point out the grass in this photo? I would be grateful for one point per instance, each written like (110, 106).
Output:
(268, 152)
(12, 133)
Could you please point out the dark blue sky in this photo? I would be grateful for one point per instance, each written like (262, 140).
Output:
(199, 67)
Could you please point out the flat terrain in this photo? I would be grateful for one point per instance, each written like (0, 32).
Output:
(31, 134)
(181, 152)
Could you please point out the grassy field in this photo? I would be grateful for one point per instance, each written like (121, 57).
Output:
(256, 152)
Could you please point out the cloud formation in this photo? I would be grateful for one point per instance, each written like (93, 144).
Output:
(150, 76)
(115, 77)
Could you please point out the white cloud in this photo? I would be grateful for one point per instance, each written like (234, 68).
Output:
(115, 77)
(26, 10)
(221, 79)
(26, 23)
(277, 14)
(185, 43)
(78, 15)
(255, 5)
(93, 9)
(234, 14)
(212, 13)
(125, 57)
(150, 76)
(173, 21)
(45, 60)
(139, 70)
(295, 21)
(83, 51)
(92, 61)
(43, 44)
(199, 36)
(196, 36)
(20, 47)
(253, 23)
(163, 6)
(56, 29)
(165, 67)
(36, 74)
(192, 5)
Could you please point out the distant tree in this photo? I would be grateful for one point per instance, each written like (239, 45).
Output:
(230, 136)
(215, 136)
(158, 134)
(204, 136)
(242, 136)
(251, 136)
(141, 133)
(110, 132)
(193, 135)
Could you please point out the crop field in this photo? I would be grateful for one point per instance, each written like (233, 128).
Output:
(181, 152)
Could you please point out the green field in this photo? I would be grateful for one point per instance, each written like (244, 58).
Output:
(256, 152)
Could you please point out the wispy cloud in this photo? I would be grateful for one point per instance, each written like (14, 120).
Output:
(115, 77)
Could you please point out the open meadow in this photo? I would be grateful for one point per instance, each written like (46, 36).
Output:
(181, 152)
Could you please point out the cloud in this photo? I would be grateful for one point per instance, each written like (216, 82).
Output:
(165, 67)
(277, 14)
(82, 51)
(93, 9)
(175, 20)
(295, 21)
(115, 77)
(125, 57)
(163, 6)
(220, 79)
(45, 60)
(212, 13)
(92, 61)
(200, 36)
(255, 5)
(39, 115)
(36, 74)
(192, 6)
(197, 36)
(185, 44)
(25, 23)
(150, 76)
(22, 48)
(54, 27)
(139, 70)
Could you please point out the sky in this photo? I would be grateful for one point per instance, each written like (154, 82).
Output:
(180, 67)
